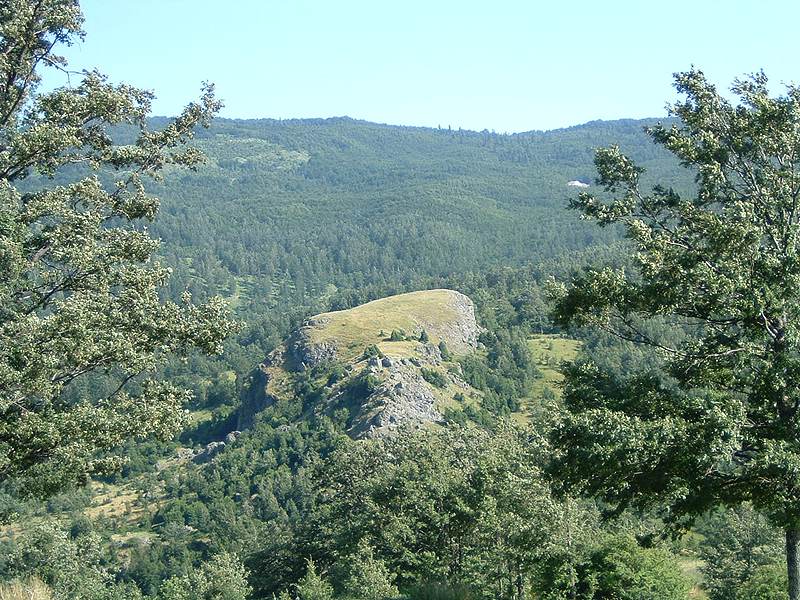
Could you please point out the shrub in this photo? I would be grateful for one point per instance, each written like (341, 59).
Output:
(434, 377)
(440, 591)
(371, 351)
(768, 582)
(616, 568)
(313, 586)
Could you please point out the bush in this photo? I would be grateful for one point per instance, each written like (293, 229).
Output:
(336, 374)
(440, 591)
(739, 542)
(368, 578)
(616, 568)
(768, 582)
(434, 377)
(313, 586)
(371, 351)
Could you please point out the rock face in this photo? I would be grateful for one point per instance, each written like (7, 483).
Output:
(304, 352)
(255, 398)
(397, 394)
(403, 399)
(214, 448)
(461, 333)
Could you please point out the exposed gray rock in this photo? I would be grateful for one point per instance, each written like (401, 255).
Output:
(387, 362)
(460, 334)
(256, 398)
(402, 399)
(432, 353)
(209, 452)
(305, 354)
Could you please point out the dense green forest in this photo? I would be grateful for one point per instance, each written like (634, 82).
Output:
(304, 210)
(292, 218)
(607, 433)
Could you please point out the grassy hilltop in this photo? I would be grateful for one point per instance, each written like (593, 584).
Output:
(387, 363)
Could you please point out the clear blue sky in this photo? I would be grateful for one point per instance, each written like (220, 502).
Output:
(503, 65)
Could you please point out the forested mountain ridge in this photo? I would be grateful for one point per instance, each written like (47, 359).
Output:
(492, 402)
(293, 218)
(291, 208)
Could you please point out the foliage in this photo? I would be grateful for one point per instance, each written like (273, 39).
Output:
(313, 586)
(367, 577)
(433, 377)
(768, 582)
(457, 505)
(372, 351)
(80, 293)
(221, 578)
(438, 591)
(719, 269)
(619, 568)
(72, 568)
(507, 372)
(738, 544)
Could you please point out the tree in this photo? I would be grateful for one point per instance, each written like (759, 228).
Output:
(314, 586)
(718, 269)
(79, 294)
(767, 583)
(368, 578)
(738, 544)
(69, 567)
(222, 578)
(617, 567)
(456, 506)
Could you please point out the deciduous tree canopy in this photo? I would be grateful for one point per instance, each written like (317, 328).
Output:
(720, 270)
(79, 291)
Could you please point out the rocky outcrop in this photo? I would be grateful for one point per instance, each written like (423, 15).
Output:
(255, 397)
(211, 450)
(461, 333)
(403, 399)
(305, 353)
(397, 395)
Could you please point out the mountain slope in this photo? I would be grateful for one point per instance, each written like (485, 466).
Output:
(382, 365)
(294, 211)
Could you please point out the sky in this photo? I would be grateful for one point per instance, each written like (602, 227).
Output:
(506, 66)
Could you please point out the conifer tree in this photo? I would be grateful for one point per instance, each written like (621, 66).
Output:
(314, 586)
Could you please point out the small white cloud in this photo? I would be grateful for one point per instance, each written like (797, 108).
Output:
(578, 184)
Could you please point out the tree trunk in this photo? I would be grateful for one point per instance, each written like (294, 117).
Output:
(792, 564)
